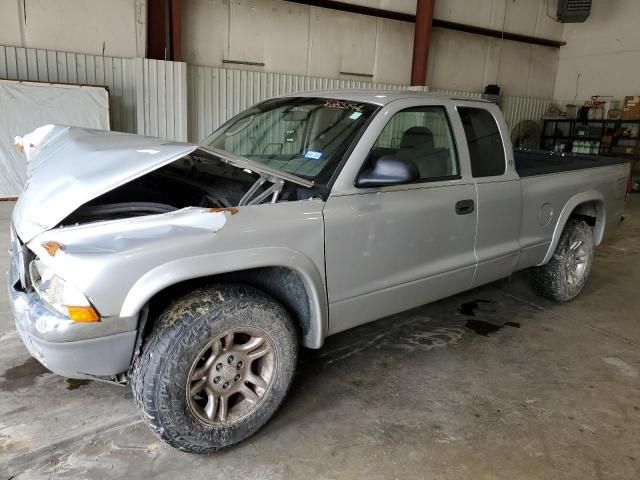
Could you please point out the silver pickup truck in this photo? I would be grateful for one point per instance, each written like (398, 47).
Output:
(194, 272)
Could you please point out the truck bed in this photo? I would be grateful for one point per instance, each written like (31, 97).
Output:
(540, 162)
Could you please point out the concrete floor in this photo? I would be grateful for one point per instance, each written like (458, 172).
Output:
(510, 386)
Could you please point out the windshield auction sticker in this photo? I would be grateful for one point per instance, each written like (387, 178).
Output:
(344, 105)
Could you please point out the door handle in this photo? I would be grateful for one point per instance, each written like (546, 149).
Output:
(465, 207)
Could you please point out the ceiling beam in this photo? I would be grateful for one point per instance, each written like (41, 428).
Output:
(407, 17)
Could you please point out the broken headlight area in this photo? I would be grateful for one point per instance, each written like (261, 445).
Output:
(60, 295)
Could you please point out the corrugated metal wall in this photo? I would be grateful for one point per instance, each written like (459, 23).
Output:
(161, 98)
(457, 93)
(176, 101)
(62, 67)
(217, 94)
(146, 96)
(516, 109)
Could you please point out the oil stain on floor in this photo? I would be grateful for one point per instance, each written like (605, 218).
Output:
(22, 375)
(74, 384)
(469, 308)
(482, 327)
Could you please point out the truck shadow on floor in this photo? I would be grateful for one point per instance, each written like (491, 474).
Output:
(430, 326)
(494, 338)
(413, 336)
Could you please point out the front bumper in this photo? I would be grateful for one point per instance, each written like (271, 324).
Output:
(70, 349)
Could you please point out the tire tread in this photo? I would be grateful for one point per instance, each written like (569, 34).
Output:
(546, 280)
(148, 368)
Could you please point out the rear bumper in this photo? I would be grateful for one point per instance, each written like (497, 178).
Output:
(71, 349)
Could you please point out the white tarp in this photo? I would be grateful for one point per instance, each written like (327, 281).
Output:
(25, 106)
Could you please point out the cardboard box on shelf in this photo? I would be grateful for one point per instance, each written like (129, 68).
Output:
(631, 109)
(614, 114)
(626, 150)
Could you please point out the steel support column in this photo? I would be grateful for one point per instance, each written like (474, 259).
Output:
(164, 29)
(421, 41)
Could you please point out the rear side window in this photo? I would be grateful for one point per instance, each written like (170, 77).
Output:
(485, 143)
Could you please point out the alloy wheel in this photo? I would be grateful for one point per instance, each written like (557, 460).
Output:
(231, 376)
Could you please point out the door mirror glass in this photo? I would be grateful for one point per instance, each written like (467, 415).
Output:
(388, 170)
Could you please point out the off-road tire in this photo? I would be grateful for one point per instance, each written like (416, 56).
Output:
(161, 372)
(550, 280)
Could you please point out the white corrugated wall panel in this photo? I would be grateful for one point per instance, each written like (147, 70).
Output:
(145, 96)
(517, 109)
(457, 93)
(116, 74)
(176, 101)
(161, 98)
(217, 94)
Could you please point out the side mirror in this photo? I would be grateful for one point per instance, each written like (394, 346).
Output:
(386, 171)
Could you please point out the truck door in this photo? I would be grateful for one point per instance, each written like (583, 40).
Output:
(499, 201)
(392, 248)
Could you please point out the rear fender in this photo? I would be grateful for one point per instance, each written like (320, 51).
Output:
(589, 203)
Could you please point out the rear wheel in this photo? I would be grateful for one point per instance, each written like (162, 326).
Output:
(215, 368)
(566, 274)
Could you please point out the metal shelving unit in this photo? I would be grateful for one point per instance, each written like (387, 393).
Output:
(595, 137)
(617, 138)
(627, 139)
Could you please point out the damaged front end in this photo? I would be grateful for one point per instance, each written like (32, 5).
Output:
(101, 208)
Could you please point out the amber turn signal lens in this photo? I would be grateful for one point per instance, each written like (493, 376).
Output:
(83, 314)
(52, 248)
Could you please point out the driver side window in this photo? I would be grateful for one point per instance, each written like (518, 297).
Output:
(422, 136)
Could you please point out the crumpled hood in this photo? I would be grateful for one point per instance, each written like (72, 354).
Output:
(69, 166)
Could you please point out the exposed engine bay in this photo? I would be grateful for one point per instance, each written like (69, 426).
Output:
(197, 180)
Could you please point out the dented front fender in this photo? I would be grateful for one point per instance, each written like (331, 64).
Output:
(119, 265)
(189, 268)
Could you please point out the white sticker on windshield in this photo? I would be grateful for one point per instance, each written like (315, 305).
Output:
(355, 115)
(313, 155)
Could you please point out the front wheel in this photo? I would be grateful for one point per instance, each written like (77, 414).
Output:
(566, 274)
(215, 368)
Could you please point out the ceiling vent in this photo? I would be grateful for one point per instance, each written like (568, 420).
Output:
(573, 11)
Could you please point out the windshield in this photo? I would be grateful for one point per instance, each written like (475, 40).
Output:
(303, 136)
